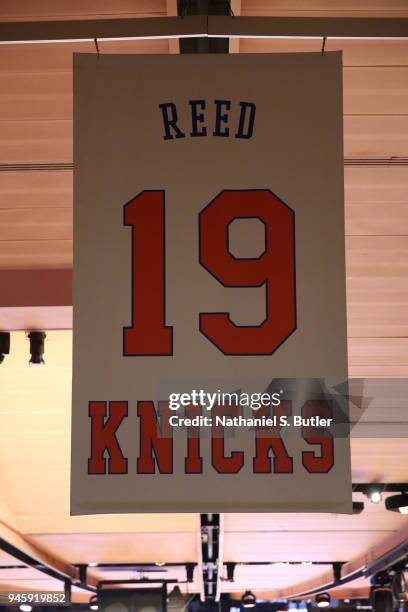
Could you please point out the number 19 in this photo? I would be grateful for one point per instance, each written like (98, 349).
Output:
(274, 270)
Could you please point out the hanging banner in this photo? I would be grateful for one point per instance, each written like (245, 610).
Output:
(209, 285)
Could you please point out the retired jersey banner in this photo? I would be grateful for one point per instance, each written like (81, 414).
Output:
(209, 285)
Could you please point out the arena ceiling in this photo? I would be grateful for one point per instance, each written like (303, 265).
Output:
(36, 245)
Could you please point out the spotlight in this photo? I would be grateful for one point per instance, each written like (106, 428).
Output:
(25, 608)
(323, 600)
(4, 345)
(93, 603)
(397, 503)
(375, 496)
(36, 347)
(248, 600)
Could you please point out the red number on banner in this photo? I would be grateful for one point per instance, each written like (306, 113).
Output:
(148, 334)
(274, 269)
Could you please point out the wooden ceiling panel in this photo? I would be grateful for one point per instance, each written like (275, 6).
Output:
(40, 57)
(36, 95)
(321, 8)
(271, 577)
(35, 254)
(35, 521)
(385, 352)
(323, 545)
(375, 91)
(129, 548)
(377, 257)
(381, 185)
(23, 574)
(376, 136)
(36, 141)
(377, 312)
(35, 189)
(31, 10)
(48, 57)
(377, 285)
(374, 517)
(370, 53)
(379, 459)
(385, 219)
(24, 224)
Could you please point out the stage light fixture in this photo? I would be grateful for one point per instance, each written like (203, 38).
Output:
(230, 571)
(25, 608)
(248, 600)
(382, 599)
(175, 596)
(93, 603)
(375, 496)
(4, 345)
(399, 588)
(190, 572)
(358, 507)
(323, 600)
(37, 340)
(397, 503)
(381, 593)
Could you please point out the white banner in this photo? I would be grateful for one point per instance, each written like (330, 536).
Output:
(208, 270)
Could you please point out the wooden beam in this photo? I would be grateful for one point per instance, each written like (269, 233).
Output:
(35, 288)
(142, 28)
(35, 299)
(200, 25)
(308, 27)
